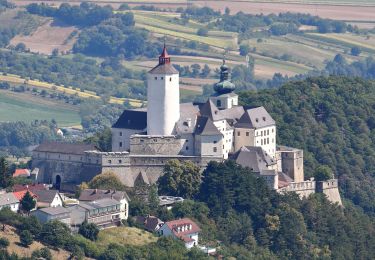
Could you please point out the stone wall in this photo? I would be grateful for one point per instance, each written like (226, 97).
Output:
(303, 189)
(331, 189)
(155, 145)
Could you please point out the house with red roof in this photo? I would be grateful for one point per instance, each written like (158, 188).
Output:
(184, 229)
(21, 173)
(20, 194)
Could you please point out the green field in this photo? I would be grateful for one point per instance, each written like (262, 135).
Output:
(21, 109)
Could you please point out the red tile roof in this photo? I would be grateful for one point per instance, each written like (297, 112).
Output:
(182, 228)
(30, 187)
(21, 172)
(20, 194)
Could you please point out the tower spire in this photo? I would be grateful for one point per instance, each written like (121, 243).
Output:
(164, 58)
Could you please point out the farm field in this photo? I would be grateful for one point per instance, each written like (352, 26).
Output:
(331, 10)
(23, 107)
(163, 24)
(68, 90)
(48, 37)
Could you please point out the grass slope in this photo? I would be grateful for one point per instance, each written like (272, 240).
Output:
(16, 108)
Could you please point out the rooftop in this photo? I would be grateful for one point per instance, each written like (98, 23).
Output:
(20, 194)
(96, 194)
(55, 210)
(65, 148)
(7, 199)
(46, 195)
(21, 172)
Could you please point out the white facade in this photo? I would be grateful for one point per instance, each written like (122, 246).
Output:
(225, 101)
(163, 103)
(227, 133)
(13, 206)
(193, 237)
(266, 138)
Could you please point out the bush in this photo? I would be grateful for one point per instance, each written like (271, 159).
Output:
(26, 238)
(89, 231)
(202, 32)
(355, 51)
(4, 243)
(44, 253)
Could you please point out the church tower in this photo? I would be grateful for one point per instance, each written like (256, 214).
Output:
(163, 97)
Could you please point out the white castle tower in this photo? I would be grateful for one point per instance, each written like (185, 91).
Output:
(163, 97)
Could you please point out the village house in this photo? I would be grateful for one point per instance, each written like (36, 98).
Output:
(48, 198)
(184, 229)
(21, 173)
(88, 195)
(52, 213)
(150, 223)
(20, 194)
(8, 200)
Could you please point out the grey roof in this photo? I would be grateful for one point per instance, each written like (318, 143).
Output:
(268, 172)
(188, 117)
(95, 194)
(211, 111)
(205, 126)
(132, 119)
(255, 118)
(45, 195)
(7, 199)
(253, 157)
(97, 204)
(166, 68)
(232, 115)
(65, 148)
(150, 223)
(55, 210)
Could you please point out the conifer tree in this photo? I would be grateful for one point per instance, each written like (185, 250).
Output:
(28, 202)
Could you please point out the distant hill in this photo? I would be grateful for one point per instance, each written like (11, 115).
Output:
(333, 121)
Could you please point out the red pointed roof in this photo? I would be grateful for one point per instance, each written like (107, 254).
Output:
(164, 57)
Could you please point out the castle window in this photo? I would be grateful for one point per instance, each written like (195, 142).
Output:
(162, 78)
(264, 118)
(156, 78)
(120, 144)
(187, 148)
(268, 132)
(256, 120)
(109, 161)
(247, 133)
(170, 79)
(273, 130)
(215, 150)
(261, 133)
(261, 142)
(238, 133)
(119, 161)
(215, 142)
(120, 133)
(268, 140)
(187, 140)
(218, 103)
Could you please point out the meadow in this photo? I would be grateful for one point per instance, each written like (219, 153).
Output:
(22, 107)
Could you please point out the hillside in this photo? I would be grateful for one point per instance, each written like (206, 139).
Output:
(332, 120)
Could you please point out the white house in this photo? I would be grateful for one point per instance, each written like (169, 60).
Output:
(88, 195)
(48, 198)
(184, 229)
(10, 201)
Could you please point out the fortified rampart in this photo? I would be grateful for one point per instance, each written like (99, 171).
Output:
(331, 189)
(303, 189)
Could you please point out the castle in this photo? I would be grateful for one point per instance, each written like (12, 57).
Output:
(143, 140)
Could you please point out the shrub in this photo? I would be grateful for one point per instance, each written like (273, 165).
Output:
(26, 238)
(4, 243)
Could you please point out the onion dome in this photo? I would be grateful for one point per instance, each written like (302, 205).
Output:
(224, 86)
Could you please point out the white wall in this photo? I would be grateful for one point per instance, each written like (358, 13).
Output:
(13, 207)
(163, 103)
(124, 209)
(227, 137)
(57, 201)
(209, 145)
(266, 138)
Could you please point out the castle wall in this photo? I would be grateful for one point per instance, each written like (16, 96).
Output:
(121, 139)
(243, 137)
(331, 189)
(155, 145)
(303, 189)
(209, 145)
(292, 163)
